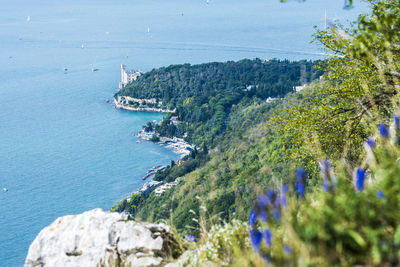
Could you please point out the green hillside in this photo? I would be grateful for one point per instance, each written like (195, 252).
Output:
(316, 174)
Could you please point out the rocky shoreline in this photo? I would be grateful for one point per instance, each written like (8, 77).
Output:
(141, 109)
(178, 145)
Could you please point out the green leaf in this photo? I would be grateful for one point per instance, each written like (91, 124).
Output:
(358, 238)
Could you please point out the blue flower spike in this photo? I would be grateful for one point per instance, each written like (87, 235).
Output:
(190, 238)
(371, 143)
(262, 201)
(300, 184)
(283, 199)
(325, 169)
(287, 249)
(380, 194)
(271, 196)
(264, 216)
(252, 217)
(383, 130)
(276, 214)
(267, 235)
(255, 237)
(360, 178)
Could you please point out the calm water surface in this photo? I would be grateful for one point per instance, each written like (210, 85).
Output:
(63, 150)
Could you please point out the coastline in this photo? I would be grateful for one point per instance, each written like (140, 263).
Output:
(141, 109)
(178, 145)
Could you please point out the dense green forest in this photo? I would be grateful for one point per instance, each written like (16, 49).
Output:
(204, 94)
(315, 175)
(238, 117)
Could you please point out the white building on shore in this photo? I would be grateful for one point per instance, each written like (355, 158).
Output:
(128, 76)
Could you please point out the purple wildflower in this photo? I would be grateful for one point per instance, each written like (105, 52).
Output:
(396, 122)
(276, 214)
(379, 194)
(287, 249)
(255, 237)
(262, 201)
(264, 215)
(300, 174)
(271, 196)
(284, 189)
(371, 143)
(283, 200)
(325, 185)
(252, 217)
(300, 184)
(325, 169)
(267, 235)
(300, 189)
(190, 238)
(360, 177)
(383, 130)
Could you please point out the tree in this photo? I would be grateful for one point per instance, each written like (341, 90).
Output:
(148, 127)
(360, 88)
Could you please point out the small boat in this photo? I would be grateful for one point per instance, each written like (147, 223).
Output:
(148, 29)
(5, 189)
(65, 69)
(28, 18)
(94, 69)
(137, 141)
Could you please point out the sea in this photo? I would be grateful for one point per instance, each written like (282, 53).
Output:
(63, 148)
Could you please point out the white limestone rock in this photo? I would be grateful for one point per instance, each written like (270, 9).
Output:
(99, 238)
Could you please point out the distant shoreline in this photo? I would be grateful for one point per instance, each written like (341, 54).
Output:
(178, 145)
(141, 109)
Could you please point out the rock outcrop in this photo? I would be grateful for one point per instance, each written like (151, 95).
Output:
(99, 238)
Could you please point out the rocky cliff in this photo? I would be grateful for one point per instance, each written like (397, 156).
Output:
(99, 238)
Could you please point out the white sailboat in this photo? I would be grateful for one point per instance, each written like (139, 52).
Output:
(148, 29)
(28, 18)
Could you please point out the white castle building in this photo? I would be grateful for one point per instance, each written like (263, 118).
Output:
(128, 76)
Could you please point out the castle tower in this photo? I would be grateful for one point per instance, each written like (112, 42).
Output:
(124, 77)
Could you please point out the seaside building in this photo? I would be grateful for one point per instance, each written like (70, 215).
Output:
(175, 120)
(162, 188)
(299, 88)
(128, 76)
(148, 187)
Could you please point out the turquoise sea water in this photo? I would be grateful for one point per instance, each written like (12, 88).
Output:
(63, 150)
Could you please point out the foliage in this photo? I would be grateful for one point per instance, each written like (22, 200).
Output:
(249, 156)
(216, 246)
(129, 206)
(351, 220)
(360, 86)
(204, 94)
(190, 163)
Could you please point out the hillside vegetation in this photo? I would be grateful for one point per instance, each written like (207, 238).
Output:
(204, 94)
(315, 175)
